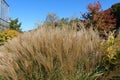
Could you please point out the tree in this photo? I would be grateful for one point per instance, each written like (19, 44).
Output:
(64, 21)
(51, 19)
(104, 21)
(14, 25)
(116, 12)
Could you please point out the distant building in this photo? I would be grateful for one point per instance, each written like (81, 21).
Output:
(4, 15)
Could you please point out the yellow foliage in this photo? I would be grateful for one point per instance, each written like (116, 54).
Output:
(112, 48)
(7, 35)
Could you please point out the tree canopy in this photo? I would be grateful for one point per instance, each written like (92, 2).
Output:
(15, 25)
(116, 12)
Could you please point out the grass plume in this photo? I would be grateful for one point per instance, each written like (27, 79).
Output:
(51, 54)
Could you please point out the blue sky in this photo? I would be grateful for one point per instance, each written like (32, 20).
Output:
(31, 12)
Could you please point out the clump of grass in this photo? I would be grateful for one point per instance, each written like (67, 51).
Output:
(51, 54)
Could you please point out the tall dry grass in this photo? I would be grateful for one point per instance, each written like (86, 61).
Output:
(51, 54)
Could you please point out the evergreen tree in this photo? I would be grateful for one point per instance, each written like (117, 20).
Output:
(116, 12)
(14, 25)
